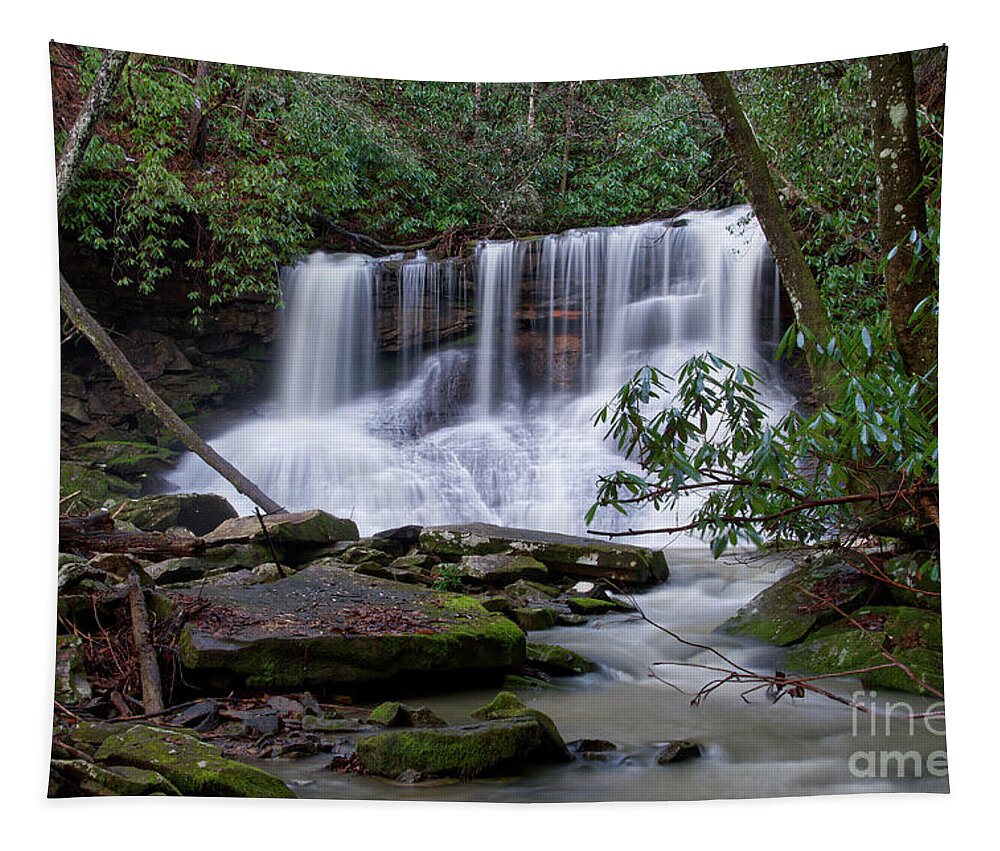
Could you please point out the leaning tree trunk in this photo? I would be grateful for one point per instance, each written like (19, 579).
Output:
(798, 280)
(66, 170)
(902, 212)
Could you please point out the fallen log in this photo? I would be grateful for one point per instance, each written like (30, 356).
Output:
(96, 533)
(149, 670)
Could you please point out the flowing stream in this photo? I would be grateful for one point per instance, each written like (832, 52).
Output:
(810, 746)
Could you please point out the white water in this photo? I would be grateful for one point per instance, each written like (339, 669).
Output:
(476, 433)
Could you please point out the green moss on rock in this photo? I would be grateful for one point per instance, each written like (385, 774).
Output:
(192, 766)
(784, 613)
(558, 661)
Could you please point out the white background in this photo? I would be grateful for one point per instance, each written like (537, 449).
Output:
(513, 40)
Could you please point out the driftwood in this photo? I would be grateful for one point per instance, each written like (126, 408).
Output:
(96, 533)
(149, 670)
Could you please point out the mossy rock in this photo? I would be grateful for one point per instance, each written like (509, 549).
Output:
(558, 661)
(79, 777)
(394, 714)
(197, 512)
(595, 606)
(913, 636)
(360, 554)
(529, 590)
(920, 573)
(92, 486)
(504, 705)
(532, 618)
(231, 557)
(500, 569)
(299, 530)
(305, 630)
(192, 766)
(472, 750)
(785, 613)
(563, 554)
(125, 458)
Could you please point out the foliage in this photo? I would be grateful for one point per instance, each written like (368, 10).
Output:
(802, 477)
(447, 578)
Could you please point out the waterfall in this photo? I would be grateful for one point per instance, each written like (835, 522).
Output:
(329, 347)
(497, 429)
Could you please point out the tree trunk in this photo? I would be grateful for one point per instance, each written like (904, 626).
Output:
(796, 276)
(197, 121)
(66, 170)
(909, 278)
(68, 165)
(149, 669)
(532, 105)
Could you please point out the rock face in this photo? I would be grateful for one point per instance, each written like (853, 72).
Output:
(563, 554)
(200, 513)
(191, 766)
(786, 611)
(326, 625)
(913, 636)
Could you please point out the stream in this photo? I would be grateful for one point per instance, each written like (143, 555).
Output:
(758, 749)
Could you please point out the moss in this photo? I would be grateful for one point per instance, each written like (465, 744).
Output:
(557, 660)
(530, 618)
(126, 458)
(913, 636)
(504, 705)
(91, 779)
(468, 751)
(192, 766)
(593, 606)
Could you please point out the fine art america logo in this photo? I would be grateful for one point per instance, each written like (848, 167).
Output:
(872, 717)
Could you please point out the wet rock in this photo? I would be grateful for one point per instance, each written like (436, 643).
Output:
(393, 714)
(527, 590)
(198, 512)
(326, 625)
(500, 569)
(192, 766)
(258, 722)
(913, 636)
(360, 554)
(565, 554)
(330, 724)
(593, 750)
(72, 686)
(784, 613)
(504, 705)
(286, 706)
(558, 661)
(571, 620)
(401, 538)
(679, 751)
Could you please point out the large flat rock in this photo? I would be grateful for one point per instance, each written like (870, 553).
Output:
(327, 626)
(312, 528)
(565, 554)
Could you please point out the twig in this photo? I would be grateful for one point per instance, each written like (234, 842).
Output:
(270, 544)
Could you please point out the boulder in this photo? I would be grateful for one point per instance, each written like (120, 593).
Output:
(300, 530)
(471, 750)
(596, 605)
(915, 580)
(558, 661)
(531, 618)
(500, 569)
(74, 777)
(784, 613)
(198, 512)
(192, 766)
(393, 714)
(913, 636)
(678, 751)
(563, 554)
(231, 557)
(326, 625)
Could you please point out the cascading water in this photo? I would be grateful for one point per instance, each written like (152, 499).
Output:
(501, 430)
